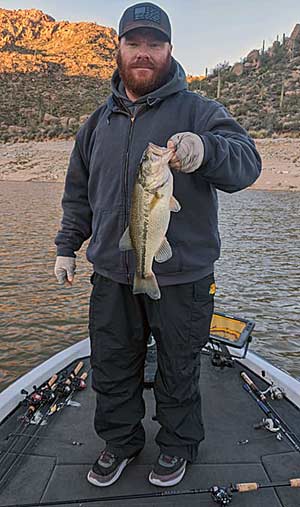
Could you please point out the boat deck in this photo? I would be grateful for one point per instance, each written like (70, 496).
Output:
(52, 470)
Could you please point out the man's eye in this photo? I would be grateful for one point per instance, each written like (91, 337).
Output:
(155, 45)
(132, 44)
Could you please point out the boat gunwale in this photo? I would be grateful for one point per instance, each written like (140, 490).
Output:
(11, 396)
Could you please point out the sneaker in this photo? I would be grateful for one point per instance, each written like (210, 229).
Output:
(107, 469)
(168, 470)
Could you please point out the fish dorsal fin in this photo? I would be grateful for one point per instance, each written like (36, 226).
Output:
(164, 253)
(125, 241)
(174, 204)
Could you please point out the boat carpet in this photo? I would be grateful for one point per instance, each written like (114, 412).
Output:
(55, 470)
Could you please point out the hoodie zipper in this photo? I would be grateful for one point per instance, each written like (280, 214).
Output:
(126, 189)
(126, 192)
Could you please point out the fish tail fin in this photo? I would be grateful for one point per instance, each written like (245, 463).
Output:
(146, 285)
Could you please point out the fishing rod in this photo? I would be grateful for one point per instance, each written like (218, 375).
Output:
(72, 384)
(220, 495)
(58, 386)
(62, 384)
(272, 414)
(34, 402)
(63, 388)
(26, 435)
(273, 419)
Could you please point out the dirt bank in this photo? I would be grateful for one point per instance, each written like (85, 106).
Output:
(48, 161)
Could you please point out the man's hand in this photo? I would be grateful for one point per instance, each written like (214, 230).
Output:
(64, 269)
(188, 151)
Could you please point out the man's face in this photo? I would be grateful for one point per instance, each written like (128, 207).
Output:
(144, 60)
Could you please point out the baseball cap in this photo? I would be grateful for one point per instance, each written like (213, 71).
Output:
(144, 15)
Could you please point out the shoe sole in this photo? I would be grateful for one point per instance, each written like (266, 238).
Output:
(93, 480)
(157, 482)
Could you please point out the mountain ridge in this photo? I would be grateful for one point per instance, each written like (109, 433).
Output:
(32, 41)
(53, 74)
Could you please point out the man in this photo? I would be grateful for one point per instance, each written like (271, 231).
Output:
(150, 103)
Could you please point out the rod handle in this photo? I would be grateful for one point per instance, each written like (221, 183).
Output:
(295, 483)
(252, 385)
(74, 373)
(78, 368)
(52, 380)
(247, 486)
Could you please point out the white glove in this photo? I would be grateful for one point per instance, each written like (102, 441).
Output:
(64, 269)
(188, 151)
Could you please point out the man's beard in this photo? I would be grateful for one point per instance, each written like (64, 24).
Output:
(140, 87)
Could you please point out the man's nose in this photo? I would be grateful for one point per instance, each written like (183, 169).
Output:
(142, 56)
(143, 51)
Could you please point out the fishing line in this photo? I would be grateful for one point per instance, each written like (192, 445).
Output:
(64, 380)
(26, 422)
(220, 495)
(258, 396)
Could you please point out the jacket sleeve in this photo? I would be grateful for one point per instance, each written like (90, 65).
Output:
(77, 214)
(231, 161)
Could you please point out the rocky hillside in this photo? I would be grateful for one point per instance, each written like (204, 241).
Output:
(263, 90)
(54, 74)
(31, 41)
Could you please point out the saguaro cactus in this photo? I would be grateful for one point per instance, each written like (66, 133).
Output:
(219, 85)
(281, 96)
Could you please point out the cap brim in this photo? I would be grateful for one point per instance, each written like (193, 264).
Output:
(144, 24)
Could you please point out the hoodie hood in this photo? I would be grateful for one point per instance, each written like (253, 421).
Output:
(176, 82)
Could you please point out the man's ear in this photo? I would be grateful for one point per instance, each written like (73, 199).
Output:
(171, 47)
(119, 44)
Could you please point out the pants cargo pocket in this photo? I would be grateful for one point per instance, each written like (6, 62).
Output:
(202, 311)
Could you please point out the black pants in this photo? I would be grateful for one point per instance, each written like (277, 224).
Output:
(119, 327)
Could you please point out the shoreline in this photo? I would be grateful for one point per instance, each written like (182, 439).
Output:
(47, 161)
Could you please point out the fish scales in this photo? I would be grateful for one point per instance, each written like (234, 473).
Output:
(151, 204)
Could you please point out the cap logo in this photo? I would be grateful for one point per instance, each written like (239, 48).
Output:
(148, 13)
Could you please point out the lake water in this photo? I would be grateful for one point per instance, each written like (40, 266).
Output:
(257, 276)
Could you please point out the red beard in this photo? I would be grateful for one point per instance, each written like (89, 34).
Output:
(147, 83)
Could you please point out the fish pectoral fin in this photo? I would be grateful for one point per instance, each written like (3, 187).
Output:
(174, 204)
(164, 253)
(125, 241)
(146, 285)
(154, 200)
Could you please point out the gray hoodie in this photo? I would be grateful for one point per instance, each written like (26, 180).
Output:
(103, 168)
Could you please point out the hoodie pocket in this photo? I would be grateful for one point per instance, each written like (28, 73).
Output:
(103, 249)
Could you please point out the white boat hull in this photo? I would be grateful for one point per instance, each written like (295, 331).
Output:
(11, 396)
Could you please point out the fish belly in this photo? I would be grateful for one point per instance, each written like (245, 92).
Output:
(148, 226)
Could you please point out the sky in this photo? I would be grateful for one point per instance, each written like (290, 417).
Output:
(205, 33)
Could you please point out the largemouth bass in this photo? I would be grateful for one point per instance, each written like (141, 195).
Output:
(151, 206)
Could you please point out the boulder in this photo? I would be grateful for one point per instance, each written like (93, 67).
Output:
(64, 121)
(83, 118)
(15, 129)
(253, 56)
(73, 122)
(237, 69)
(49, 119)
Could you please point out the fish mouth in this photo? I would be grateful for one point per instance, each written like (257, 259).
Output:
(158, 150)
